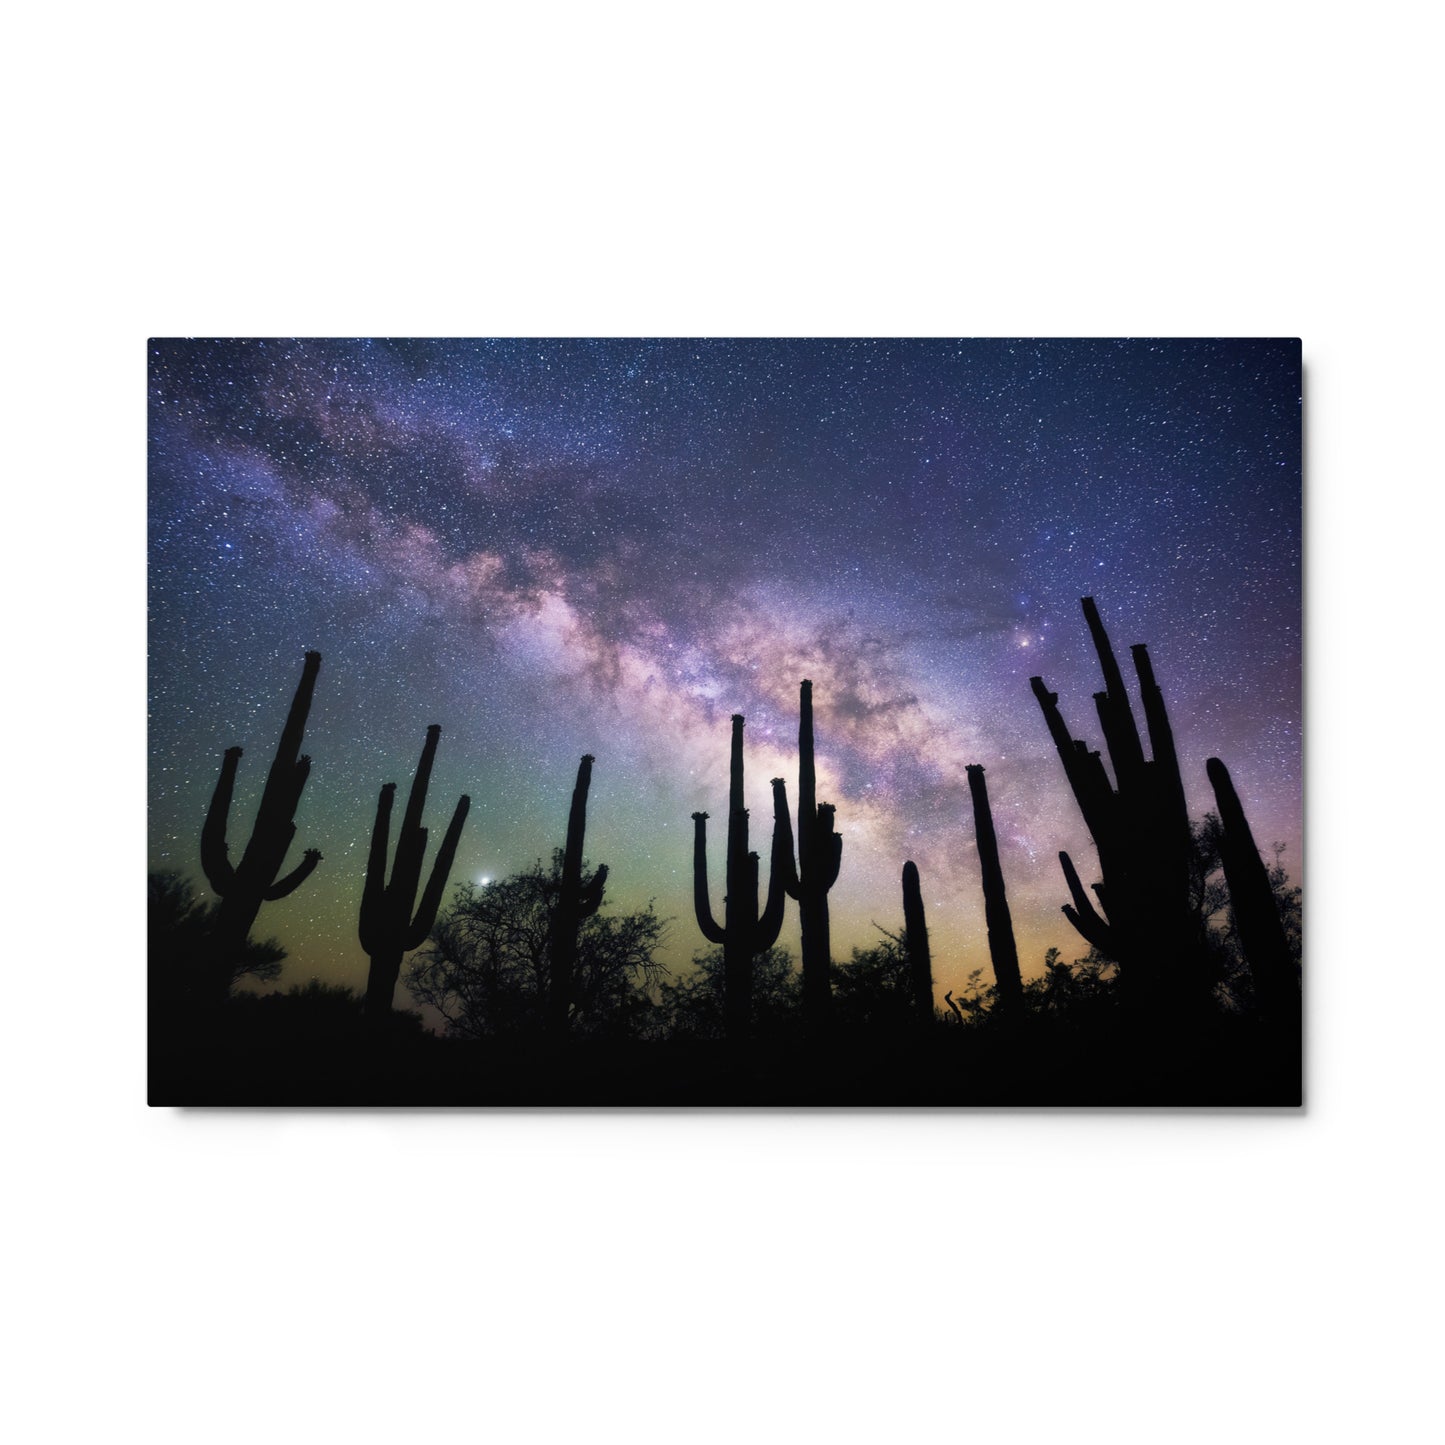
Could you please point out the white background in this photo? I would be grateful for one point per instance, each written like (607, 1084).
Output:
(1036, 169)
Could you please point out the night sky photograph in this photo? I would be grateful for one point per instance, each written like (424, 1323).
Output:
(609, 549)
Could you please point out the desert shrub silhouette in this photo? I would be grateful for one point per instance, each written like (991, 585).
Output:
(692, 1005)
(488, 966)
(185, 955)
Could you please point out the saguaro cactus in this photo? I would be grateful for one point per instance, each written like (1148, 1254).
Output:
(244, 887)
(1140, 827)
(744, 933)
(1001, 947)
(575, 901)
(915, 936)
(820, 851)
(388, 926)
(1256, 915)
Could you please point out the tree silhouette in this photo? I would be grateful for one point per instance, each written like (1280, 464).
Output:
(488, 966)
(1083, 992)
(1213, 900)
(877, 987)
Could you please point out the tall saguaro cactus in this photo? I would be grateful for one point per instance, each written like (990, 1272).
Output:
(915, 937)
(744, 933)
(820, 851)
(1140, 826)
(246, 885)
(1001, 947)
(1256, 915)
(388, 926)
(576, 901)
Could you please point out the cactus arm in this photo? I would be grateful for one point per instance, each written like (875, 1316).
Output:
(1125, 749)
(589, 899)
(1090, 926)
(1076, 887)
(1090, 931)
(701, 905)
(770, 925)
(294, 879)
(831, 848)
(411, 839)
(431, 900)
(1083, 769)
(214, 860)
(783, 866)
(1161, 734)
(1116, 738)
(1058, 729)
(761, 933)
(373, 895)
(406, 869)
(282, 788)
(421, 780)
(1166, 784)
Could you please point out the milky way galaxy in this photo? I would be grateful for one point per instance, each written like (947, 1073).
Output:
(553, 548)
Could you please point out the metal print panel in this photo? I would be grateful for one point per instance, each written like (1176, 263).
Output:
(725, 722)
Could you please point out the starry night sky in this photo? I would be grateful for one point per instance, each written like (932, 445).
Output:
(560, 547)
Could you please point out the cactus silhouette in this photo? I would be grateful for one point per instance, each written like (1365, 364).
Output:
(744, 934)
(915, 936)
(388, 926)
(245, 886)
(1001, 947)
(1140, 826)
(820, 851)
(1256, 915)
(575, 901)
